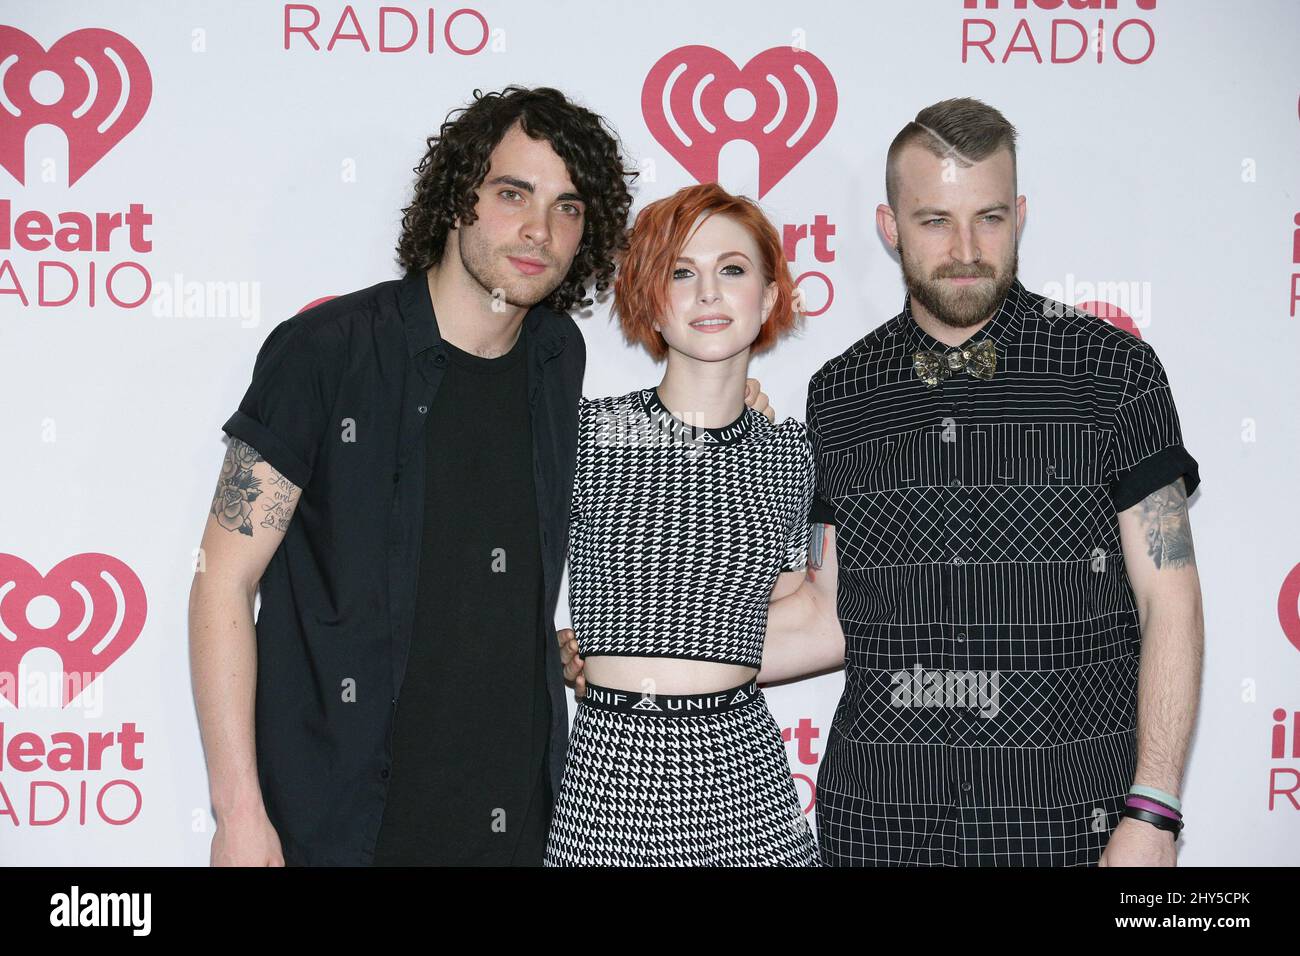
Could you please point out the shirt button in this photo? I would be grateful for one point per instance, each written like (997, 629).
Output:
(384, 773)
(423, 409)
(958, 561)
(955, 482)
(961, 638)
(1051, 469)
(965, 785)
(440, 359)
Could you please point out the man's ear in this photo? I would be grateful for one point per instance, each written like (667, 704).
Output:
(887, 223)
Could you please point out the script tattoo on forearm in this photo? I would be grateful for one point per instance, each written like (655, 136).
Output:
(1168, 531)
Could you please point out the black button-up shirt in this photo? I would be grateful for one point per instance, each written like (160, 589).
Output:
(991, 635)
(337, 405)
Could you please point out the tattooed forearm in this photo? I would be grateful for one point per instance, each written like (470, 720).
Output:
(237, 488)
(816, 547)
(280, 508)
(1168, 531)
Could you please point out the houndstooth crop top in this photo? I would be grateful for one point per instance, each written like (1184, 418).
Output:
(678, 533)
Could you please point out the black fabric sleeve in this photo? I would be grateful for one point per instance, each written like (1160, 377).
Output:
(1149, 452)
(284, 412)
(823, 512)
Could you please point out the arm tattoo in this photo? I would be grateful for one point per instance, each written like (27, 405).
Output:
(1169, 534)
(238, 488)
(279, 510)
(816, 547)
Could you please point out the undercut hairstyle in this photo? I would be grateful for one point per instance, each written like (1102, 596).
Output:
(963, 129)
(457, 162)
(661, 231)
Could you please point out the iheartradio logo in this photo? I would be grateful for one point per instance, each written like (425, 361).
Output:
(89, 609)
(695, 101)
(315, 302)
(1125, 304)
(1288, 607)
(92, 84)
(1108, 312)
(802, 736)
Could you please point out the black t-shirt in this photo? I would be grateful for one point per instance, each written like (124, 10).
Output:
(469, 783)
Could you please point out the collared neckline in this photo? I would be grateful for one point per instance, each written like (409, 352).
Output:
(421, 324)
(1003, 328)
(659, 415)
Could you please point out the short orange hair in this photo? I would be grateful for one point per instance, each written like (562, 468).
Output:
(657, 239)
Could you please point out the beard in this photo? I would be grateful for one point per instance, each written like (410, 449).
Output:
(500, 280)
(960, 307)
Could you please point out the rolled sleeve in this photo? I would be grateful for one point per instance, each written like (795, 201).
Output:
(1149, 452)
(283, 413)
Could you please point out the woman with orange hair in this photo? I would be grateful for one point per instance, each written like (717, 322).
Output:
(687, 508)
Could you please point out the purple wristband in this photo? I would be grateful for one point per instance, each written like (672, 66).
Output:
(1152, 806)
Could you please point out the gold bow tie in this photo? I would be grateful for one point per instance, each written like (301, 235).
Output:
(933, 367)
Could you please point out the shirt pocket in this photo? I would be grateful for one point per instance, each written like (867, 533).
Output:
(1071, 461)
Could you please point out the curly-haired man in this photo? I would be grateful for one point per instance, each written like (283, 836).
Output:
(397, 485)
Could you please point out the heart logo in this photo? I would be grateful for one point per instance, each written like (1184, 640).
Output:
(1288, 607)
(102, 609)
(1109, 312)
(105, 89)
(685, 104)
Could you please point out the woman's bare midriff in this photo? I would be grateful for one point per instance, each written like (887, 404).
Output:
(664, 675)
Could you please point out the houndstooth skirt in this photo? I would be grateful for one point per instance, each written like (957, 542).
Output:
(658, 786)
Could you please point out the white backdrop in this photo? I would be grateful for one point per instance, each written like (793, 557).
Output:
(269, 171)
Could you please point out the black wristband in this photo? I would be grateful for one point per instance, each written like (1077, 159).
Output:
(1156, 820)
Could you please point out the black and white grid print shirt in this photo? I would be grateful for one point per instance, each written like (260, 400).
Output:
(678, 533)
(991, 637)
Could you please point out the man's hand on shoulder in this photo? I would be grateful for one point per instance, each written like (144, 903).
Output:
(757, 400)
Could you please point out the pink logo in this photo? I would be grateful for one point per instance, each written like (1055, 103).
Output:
(689, 108)
(1288, 607)
(101, 611)
(97, 91)
(1112, 314)
(315, 302)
